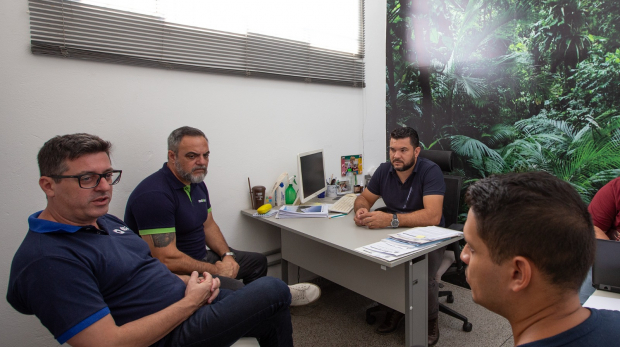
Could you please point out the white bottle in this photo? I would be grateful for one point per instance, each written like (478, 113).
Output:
(280, 195)
(351, 179)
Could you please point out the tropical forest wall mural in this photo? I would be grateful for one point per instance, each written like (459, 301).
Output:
(510, 85)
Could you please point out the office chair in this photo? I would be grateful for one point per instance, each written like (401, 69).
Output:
(451, 203)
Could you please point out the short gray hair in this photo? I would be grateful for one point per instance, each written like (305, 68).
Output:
(177, 135)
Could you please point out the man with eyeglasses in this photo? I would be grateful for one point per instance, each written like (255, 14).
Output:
(412, 189)
(91, 280)
(171, 210)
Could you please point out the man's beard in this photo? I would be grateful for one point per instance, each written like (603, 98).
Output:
(406, 166)
(188, 176)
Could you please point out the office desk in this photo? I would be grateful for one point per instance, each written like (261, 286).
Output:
(326, 247)
(603, 300)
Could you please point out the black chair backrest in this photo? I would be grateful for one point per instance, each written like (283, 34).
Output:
(451, 199)
(445, 159)
(452, 196)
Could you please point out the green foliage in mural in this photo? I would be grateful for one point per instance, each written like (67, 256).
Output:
(510, 85)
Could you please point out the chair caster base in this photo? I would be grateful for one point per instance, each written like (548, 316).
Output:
(467, 327)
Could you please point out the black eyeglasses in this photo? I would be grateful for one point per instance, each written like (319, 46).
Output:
(91, 180)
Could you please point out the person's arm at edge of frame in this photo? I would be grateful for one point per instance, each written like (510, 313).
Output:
(164, 248)
(600, 234)
(603, 210)
(362, 205)
(215, 240)
(148, 330)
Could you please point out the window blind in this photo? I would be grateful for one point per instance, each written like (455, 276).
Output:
(77, 30)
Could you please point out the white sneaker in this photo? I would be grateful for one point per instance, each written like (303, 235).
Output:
(304, 293)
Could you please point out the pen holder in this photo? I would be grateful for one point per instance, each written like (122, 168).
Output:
(258, 196)
(331, 191)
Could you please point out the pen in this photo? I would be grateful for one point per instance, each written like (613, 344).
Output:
(337, 215)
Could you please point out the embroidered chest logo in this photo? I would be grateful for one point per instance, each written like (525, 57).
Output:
(202, 200)
(121, 230)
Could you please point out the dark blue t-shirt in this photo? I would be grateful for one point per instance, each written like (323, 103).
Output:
(163, 204)
(425, 179)
(71, 276)
(602, 328)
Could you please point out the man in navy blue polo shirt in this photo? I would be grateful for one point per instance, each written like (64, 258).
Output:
(91, 280)
(412, 189)
(171, 210)
(530, 243)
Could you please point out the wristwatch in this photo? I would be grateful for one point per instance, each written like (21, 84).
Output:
(395, 221)
(232, 254)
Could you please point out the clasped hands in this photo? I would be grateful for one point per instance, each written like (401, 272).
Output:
(372, 220)
(202, 290)
(227, 267)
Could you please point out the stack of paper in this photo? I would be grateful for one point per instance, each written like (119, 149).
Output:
(316, 211)
(387, 249)
(425, 235)
(407, 242)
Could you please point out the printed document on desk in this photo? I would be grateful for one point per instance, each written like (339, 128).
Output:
(423, 235)
(407, 242)
(314, 211)
(390, 249)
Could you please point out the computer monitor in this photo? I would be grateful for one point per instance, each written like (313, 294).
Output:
(311, 169)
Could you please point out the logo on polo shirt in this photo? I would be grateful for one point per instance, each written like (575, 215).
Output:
(202, 200)
(121, 230)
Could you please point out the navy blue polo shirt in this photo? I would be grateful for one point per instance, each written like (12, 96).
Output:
(72, 276)
(600, 329)
(425, 179)
(162, 204)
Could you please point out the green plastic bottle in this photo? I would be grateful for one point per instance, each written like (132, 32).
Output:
(290, 193)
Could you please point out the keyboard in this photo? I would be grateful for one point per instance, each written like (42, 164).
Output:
(344, 204)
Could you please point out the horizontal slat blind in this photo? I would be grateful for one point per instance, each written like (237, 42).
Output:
(81, 31)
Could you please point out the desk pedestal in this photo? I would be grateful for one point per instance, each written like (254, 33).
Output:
(407, 294)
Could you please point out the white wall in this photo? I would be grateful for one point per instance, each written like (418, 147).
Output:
(255, 128)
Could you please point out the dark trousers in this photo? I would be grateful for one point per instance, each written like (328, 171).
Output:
(434, 262)
(252, 266)
(260, 309)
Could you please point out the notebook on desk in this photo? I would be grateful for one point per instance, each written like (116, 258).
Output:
(606, 268)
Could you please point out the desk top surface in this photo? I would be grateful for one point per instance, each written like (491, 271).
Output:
(343, 234)
(603, 300)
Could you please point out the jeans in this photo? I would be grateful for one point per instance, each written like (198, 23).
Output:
(252, 266)
(260, 309)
